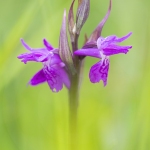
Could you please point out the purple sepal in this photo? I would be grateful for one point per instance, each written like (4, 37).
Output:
(123, 38)
(38, 54)
(47, 44)
(99, 71)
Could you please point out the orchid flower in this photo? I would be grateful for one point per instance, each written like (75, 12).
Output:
(53, 71)
(100, 47)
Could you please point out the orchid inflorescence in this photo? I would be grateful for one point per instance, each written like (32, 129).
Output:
(61, 65)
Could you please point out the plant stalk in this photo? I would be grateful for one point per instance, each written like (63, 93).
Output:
(73, 99)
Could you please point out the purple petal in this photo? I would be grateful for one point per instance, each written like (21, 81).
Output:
(116, 49)
(47, 44)
(64, 77)
(94, 52)
(123, 38)
(33, 56)
(99, 71)
(25, 45)
(109, 52)
(105, 42)
(54, 80)
(43, 50)
(55, 59)
(38, 78)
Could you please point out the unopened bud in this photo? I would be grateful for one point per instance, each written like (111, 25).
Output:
(82, 14)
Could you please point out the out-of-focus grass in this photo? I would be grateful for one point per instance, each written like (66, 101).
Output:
(116, 117)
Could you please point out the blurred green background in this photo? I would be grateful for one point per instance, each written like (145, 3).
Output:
(116, 117)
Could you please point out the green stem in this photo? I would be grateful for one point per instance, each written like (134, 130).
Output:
(73, 99)
(73, 106)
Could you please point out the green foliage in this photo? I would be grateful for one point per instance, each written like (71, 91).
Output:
(116, 117)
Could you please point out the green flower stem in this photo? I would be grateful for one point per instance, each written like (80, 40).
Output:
(73, 99)
(73, 107)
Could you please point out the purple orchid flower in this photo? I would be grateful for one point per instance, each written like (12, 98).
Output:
(53, 70)
(105, 48)
(102, 48)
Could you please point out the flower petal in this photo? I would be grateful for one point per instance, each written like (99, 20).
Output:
(94, 52)
(53, 79)
(123, 38)
(33, 56)
(38, 78)
(116, 49)
(64, 77)
(99, 71)
(36, 50)
(105, 42)
(25, 45)
(47, 44)
(109, 52)
(55, 59)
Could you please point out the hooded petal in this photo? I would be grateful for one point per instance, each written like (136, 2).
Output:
(99, 71)
(111, 41)
(38, 78)
(94, 52)
(105, 42)
(109, 46)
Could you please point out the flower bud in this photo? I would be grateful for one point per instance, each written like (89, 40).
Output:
(82, 14)
(71, 24)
